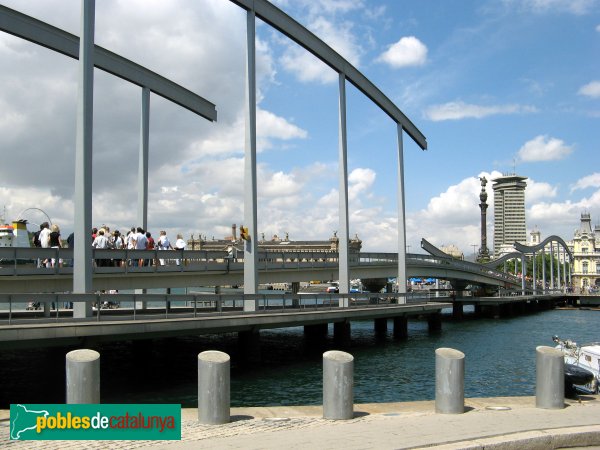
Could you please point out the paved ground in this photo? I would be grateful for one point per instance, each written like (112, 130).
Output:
(499, 423)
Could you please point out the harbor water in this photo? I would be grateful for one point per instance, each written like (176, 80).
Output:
(500, 361)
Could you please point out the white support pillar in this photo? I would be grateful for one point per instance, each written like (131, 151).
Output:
(523, 273)
(565, 270)
(250, 202)
(558, 285)
(142, 202)
(401, 279)
(82, 253)
(543, 271)
(551, 266)
(143, 157)
(344, 269)
(534, 275)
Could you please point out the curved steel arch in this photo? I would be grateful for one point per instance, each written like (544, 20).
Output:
(46, 35)
(302, 36)
(534, 248)
(502, 259)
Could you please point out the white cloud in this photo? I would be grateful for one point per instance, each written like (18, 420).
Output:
(544, 148)
(577, 7)
(536, 191)
(598, 28)
(591, 89)
(308, 68)
(408, 51)
(460, 110)
(592, 180)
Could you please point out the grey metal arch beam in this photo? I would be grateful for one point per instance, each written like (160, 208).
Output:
(534, 248)
(299, 34)
(53, 38)
(506, 257)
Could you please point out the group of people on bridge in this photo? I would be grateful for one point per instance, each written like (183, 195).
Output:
(103, 238)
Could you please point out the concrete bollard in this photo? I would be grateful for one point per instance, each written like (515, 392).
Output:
(338, 385)
(449, 381)
(83, 376)
(213, 387)
(549, 378)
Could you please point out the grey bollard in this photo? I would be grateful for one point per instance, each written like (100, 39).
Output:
(338, 385)
(449, 381)
(549, 378)
(83, 376)
(213, 387)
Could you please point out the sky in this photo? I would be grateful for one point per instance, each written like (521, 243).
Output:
(496, 86)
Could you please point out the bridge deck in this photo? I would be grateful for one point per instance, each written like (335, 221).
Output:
(45, 333)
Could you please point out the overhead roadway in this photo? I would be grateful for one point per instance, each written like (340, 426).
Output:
(299, 34)
(41, 33)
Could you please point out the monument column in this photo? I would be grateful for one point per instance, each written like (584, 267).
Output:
(484, 253)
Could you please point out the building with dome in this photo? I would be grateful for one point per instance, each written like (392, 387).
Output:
(585, 247)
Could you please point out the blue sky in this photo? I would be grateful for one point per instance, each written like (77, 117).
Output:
(495, 86)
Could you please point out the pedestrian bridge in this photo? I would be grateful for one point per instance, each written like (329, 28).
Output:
(121, 269)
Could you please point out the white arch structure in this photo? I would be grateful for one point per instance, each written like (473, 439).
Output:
(90, 55)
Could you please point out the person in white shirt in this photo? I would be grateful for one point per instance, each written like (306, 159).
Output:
(101, 242)
(45, 241)
(163, 244)
(179, 245)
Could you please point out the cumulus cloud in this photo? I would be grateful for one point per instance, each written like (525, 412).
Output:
(544, 148)
(591, 89)
(408, 51)
(588, 181)
(460, 110)
(308, 68)
(537, 191)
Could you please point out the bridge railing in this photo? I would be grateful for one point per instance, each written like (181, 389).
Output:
(106, 306)
(52, 261)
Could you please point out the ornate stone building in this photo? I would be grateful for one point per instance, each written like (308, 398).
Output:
(585, 247)
(275, 244)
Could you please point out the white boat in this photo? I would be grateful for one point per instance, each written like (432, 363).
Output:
(586, 357)
(14, 235)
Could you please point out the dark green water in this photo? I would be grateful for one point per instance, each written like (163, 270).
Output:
(500, 361)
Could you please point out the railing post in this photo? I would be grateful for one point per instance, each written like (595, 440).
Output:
(549, 378)
(338, 385)
(83, 376)
(449, 381)
(213, 387)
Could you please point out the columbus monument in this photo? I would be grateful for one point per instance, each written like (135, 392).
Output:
(484, 253)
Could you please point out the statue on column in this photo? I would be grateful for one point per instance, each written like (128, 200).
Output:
(484, 253)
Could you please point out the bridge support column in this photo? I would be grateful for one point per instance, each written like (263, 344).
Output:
(478, 310)
(380, 327)
(83, 376)
(46, 309)
(400, 327)
(342, 334)
(457, 310)
(249, 346)
(295, 290)
(434, 322)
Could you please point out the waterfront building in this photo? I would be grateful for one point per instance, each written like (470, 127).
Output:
(585, 247)
(453, 251)
(509, 213)
(235, 243)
